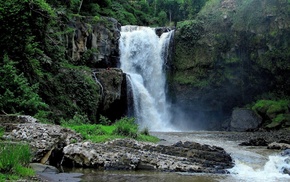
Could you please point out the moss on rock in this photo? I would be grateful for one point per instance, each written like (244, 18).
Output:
(71, 91)
(274, 113)
(231, 53)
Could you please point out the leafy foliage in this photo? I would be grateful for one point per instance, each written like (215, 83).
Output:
(275, 113)
(72, 91)
(1, 132)
(104, 121)
(271, 107)
(18, 95)
(126, 127)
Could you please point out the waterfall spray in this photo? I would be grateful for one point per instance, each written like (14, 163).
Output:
(143, 55)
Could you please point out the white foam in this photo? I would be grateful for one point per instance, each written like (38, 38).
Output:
(270, 172)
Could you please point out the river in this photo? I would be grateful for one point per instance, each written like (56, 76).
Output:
(252, 164)
(143, 59)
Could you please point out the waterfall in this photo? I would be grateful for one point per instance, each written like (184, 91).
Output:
(143, 55)
(99, 83)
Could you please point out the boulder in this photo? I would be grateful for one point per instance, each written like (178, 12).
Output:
(276, 145)
(46, 140)
(286, 152)
(244, 120)
(41, 168)
(126, 154)
(255, 142)
(160, 30)
(54, 145)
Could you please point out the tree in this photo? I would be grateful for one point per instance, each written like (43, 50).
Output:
(17, 95)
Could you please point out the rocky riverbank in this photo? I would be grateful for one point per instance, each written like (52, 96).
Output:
(55, 145)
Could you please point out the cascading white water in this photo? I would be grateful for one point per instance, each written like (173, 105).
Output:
(142, 58)
(272, 171)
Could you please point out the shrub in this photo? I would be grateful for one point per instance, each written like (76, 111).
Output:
(18, 95)
(2, 130)
(126, 127)
(88, 130)
(270, 107)
(145, 131)
(104, 121)
(77, 119)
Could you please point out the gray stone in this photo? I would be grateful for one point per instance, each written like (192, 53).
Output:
(38, 167)
(276, 145)
(41, 137)
(102, 36)
(244, 120)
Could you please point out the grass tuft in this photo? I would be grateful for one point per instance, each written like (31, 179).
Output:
(126, 127)
(14, 160)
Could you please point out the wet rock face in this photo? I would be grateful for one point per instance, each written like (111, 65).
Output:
(96, 41)
(114, 95)
(222, 58)
(125, 154)
(255, 142)
(160, 30)
(286, 153)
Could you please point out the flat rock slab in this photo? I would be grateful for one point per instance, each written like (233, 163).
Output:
(127, 154)
(57, 177)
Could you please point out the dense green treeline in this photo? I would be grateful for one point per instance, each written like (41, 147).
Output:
(137, 12)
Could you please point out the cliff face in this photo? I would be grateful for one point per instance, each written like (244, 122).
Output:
(231, 53)
(77, 88)
(96, 42)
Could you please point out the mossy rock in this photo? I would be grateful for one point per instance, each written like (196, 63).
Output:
(71, 91)
(280, 121)
(271, 109)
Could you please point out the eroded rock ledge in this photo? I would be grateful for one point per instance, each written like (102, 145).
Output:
(126, 154)
(44, 139)
(55, 145)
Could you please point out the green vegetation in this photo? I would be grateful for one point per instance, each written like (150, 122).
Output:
(14, 160)
(1, 132)
(271, 107)
(25, 98)
(123, 128)
(274, 113)
(41, 78)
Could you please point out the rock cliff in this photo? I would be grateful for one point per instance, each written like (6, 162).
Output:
(232, 52)
(89, 83)
(94, 41)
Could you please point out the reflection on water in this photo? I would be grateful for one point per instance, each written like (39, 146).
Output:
(145, 176)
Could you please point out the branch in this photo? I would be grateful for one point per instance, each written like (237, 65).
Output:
(79, 10)
(4, 112)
